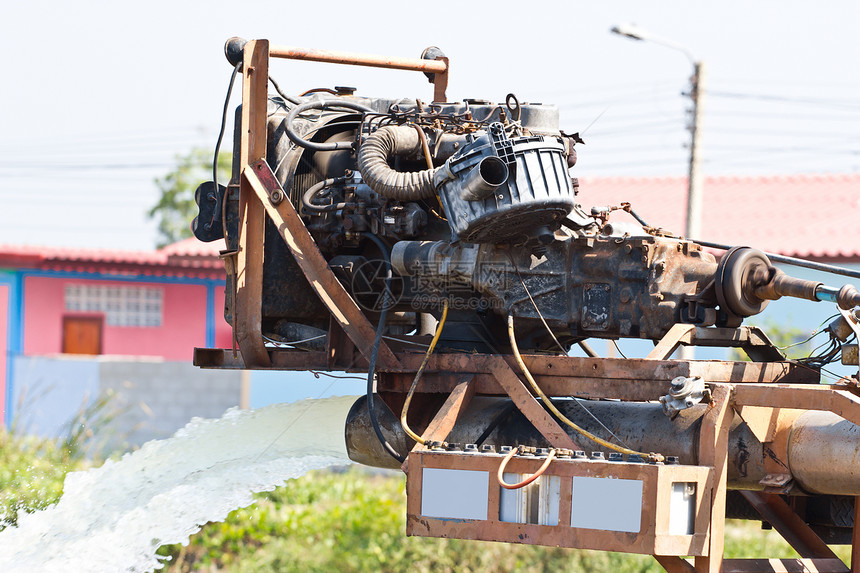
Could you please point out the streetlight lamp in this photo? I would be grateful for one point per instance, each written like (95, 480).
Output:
(694, 181)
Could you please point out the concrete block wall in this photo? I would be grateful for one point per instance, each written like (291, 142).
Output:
(151, 398)
(158, 398)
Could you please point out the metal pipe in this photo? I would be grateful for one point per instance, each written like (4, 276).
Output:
(789, 260)
(354, 59)
(824, 449)
(483, 179)
(824, 453)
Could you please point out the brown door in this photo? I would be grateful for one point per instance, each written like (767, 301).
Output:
(82, 334)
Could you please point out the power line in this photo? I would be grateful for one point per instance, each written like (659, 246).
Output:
(841, 104)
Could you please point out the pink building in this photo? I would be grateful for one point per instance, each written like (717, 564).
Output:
(85, 301)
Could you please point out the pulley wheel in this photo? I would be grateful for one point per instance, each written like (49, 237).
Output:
(733, 287)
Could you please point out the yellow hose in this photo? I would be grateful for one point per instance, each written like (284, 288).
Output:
(418, 374)
(554, 410)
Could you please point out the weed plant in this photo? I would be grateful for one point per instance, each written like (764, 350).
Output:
(33, 469)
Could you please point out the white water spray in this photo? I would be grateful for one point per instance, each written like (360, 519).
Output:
(113, 518)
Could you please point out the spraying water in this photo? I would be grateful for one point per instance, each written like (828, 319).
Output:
(113, 518)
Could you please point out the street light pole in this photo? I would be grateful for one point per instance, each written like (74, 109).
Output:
(693, 226)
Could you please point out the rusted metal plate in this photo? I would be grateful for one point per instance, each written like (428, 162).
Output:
(447, 415)
(362, 333)
(445, 419)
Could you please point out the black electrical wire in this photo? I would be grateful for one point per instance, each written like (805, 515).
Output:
(321, 105)
(221, 136)
(371, 369)
(286, 98)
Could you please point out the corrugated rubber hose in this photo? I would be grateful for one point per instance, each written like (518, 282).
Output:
(373, 155)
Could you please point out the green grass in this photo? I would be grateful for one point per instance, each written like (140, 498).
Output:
(329, 521)
(355, 521)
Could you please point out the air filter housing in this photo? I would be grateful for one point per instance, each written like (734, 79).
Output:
(499, 189)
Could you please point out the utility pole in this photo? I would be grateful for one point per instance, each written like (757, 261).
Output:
(695, 180)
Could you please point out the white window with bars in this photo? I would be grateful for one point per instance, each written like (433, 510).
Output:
(122, 305)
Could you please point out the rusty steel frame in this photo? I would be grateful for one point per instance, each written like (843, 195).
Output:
(247, 320)
(653, 537)
(757, 391)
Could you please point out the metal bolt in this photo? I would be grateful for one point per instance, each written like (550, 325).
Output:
(579, 454)
(505, 449)
(472, 448)
(597, 456)
(488, 449)
(616, 457)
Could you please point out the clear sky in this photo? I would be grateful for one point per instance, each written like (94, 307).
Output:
(98, 97)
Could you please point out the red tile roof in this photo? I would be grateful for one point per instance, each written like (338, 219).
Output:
(809, 216)
(187, 258)
(193, 247)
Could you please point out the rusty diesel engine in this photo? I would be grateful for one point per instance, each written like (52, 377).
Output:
(473, 202)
